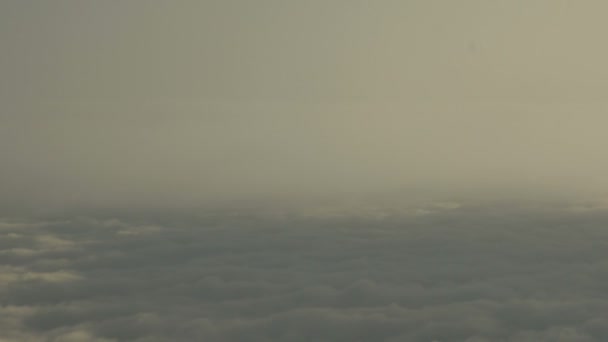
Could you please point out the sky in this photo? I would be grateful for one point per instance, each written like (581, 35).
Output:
(156, 103)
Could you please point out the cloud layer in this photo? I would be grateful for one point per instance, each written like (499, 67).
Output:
(438, 272)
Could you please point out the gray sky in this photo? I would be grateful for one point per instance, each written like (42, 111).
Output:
(176, 102)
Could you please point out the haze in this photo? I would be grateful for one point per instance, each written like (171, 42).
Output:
(146, 103)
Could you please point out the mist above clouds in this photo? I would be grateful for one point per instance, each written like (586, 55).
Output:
(186, 160)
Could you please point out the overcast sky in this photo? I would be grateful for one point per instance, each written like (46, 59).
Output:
(122, 103)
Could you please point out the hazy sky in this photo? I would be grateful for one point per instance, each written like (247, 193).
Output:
(164, 102)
